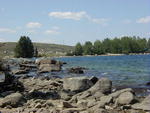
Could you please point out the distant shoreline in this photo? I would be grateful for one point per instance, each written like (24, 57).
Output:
(109, 54)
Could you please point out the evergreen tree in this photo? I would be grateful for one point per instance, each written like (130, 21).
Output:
(88, 48)
(78, 49)
(98, 47)
(24, 48)
(107, 45)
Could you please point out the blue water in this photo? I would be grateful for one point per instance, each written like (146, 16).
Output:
(128, 70)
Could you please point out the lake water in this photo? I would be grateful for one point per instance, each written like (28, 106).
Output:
(128, 70)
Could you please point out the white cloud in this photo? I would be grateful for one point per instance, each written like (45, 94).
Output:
(51, 32)
(102, 21)
(7, 30)
(144, 20)
(33, 25)
(68, 15)
(78, 16)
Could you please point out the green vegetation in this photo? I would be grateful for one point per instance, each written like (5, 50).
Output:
(24, 48)
(78, 49)
(47, 50)
(123, 45)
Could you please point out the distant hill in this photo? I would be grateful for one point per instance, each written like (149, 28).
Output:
(44, 49)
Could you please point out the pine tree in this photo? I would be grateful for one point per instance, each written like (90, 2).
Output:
(78, 49)
(24, 48)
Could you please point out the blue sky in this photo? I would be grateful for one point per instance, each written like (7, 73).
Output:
(71, 21)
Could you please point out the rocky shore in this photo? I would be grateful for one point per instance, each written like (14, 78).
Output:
(22, 93)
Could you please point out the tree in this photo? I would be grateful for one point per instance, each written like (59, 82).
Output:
(24, 48)
(88, 48)
(98, 47)
(107, 45)
(78, 49)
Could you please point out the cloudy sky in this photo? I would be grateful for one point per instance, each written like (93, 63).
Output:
(71, 21)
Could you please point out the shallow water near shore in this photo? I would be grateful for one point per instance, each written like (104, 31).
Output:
(127, 71)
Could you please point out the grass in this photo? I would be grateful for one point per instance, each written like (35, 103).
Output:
(7, 49)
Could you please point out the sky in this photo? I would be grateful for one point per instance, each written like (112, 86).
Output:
(71, 21)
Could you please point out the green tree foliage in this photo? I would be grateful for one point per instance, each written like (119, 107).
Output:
(24, 48)
(123, 45)
(78, 49)
(107, 45)
(98, 47)
(88, 48)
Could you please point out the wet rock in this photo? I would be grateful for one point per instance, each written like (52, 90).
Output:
(144, 105)
(76, 70)
(125, 98)
(14, 100)
(77, 84)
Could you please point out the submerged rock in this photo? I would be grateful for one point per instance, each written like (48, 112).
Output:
(76, 70)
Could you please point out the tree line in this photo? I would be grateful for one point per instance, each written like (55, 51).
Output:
(123, 45)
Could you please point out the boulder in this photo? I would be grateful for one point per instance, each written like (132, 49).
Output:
(144, 105)
(125, 98)
(49, 68)
(48, 65)
(77, 84)
(103, 85)
(14, 100)
(117, 93)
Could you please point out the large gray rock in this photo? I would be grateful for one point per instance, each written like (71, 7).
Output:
(49, 67)
(77, 84)
(13, 100)
(144, 105)
(103, 85)
(117, 93)
(125, 98)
